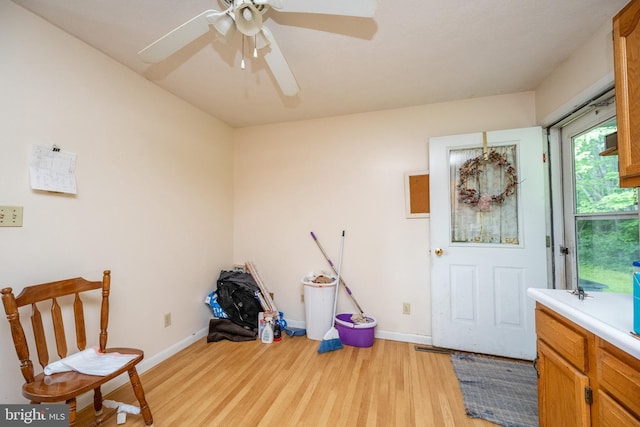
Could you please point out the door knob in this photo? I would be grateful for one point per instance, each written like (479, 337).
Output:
(438, 252)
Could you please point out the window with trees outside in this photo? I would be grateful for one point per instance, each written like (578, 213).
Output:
(603, 220)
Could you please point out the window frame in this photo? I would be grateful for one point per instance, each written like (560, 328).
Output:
(566, 276)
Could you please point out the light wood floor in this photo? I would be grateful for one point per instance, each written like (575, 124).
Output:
(288, 383)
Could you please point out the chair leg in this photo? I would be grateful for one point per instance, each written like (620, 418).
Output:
(72, 412)
(139, 392)
(97, 401)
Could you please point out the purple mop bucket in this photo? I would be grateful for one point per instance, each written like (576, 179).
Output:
(355, 334)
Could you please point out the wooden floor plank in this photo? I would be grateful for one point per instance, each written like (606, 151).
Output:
(288, 383)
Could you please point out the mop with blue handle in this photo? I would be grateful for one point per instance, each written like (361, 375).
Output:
(331, 340)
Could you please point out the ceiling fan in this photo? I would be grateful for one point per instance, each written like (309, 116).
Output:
(246, 17)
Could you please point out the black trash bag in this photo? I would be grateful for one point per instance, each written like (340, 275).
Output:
(237, 297)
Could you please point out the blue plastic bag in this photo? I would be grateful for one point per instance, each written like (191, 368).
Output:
(212, 301)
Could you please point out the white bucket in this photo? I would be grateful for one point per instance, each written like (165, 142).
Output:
(318, 307)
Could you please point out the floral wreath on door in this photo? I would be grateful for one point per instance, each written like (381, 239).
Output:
(484, 204)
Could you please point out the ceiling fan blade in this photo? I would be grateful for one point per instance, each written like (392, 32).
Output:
(178, 38)
(361, 8)
(279, 67)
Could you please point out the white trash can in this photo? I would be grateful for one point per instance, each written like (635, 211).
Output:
(318, 307)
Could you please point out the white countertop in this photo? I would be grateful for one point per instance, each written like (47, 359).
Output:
(606, 314)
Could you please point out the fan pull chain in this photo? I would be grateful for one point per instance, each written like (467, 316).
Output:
(255, 47)
(242, 61)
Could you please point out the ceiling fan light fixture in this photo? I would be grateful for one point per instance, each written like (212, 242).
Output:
(223, 23)
(248, 19)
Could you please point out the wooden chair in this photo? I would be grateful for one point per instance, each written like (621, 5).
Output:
(66, 386)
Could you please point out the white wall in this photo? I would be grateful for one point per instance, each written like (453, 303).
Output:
(347, 173)
(154, 200)
(582, 76)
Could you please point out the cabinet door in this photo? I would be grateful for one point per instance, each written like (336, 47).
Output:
(626, 48)
(561, 391)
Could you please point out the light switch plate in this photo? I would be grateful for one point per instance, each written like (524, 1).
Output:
(10, 216)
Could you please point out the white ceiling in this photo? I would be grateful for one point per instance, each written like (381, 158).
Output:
(412, 52)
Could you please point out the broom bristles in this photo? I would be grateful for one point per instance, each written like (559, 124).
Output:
(330, 341)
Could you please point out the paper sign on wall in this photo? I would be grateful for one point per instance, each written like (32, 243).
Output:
(53, 170)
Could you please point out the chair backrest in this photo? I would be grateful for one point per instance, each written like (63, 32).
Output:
(31, 295)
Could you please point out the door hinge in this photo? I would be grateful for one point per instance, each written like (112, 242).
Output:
(588, 395)
(564, 250)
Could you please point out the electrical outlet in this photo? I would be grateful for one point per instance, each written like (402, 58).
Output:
(406, 308)
(10, 216)
(167, 320)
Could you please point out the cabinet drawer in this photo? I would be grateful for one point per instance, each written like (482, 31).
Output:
(614, 415)
(619, 375)
(565, 338)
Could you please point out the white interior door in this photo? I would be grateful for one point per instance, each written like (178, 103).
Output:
(488, 242)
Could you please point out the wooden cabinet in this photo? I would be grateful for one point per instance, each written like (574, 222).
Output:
(583, 379)
(561, 395)
(626, 49)
(618, 378)
(562, 368)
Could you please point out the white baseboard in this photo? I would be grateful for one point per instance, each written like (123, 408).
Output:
(296, 324)
(397, 336)
(393, 336)
(152, 361)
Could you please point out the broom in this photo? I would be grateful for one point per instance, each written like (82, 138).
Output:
(331, 340)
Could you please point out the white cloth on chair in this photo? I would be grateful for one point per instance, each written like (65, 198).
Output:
(90, 362)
